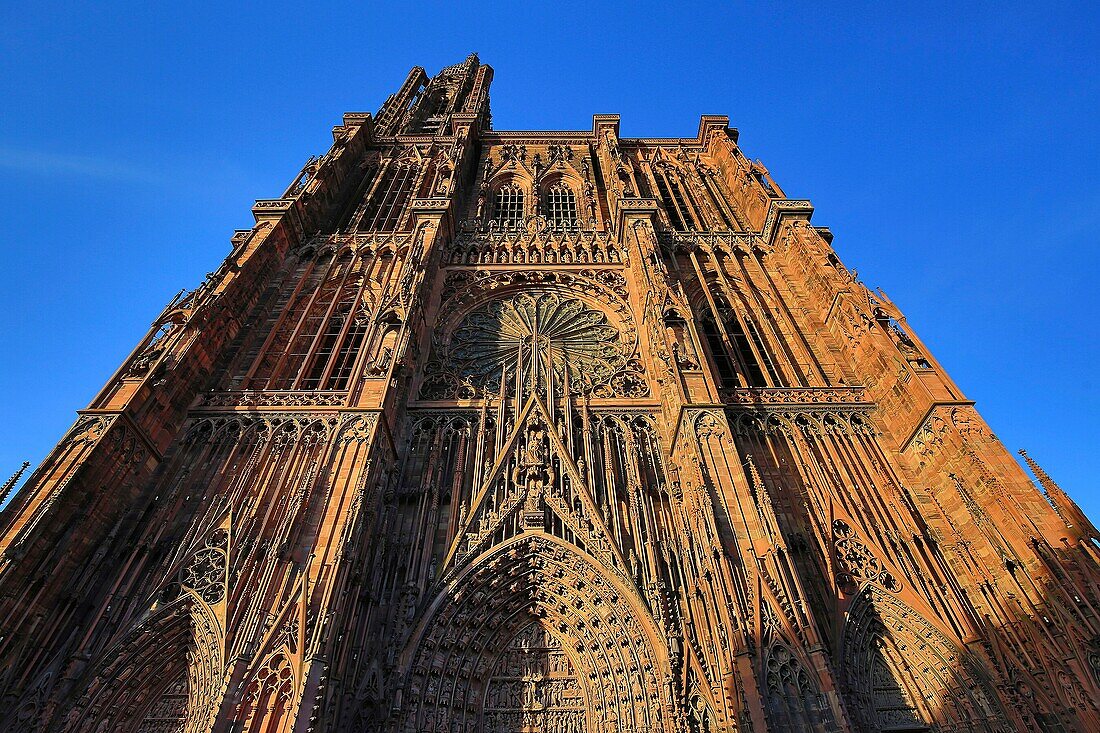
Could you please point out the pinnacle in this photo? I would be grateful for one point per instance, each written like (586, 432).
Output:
(5, 490)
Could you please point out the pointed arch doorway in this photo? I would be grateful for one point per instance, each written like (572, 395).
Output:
(534, 636)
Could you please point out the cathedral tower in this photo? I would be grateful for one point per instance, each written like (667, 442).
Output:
(540, 432)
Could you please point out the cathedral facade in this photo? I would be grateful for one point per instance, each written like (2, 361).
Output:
(538, 432)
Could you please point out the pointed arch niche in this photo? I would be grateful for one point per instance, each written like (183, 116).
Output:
(163, 676)
(534, 633)
(904, 674)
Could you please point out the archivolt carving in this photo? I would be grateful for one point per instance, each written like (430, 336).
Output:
(468, 631)
(904, 674)
(165, 674)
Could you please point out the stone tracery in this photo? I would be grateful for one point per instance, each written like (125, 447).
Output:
(398, 467)
(565, 334)
(552, 338)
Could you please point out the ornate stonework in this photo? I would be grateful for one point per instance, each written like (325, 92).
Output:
(538, 432)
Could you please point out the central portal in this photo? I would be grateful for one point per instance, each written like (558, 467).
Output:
(534, 688)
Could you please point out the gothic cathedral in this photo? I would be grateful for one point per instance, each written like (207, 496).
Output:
(539, 432)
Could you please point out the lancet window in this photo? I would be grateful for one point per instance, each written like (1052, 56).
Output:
(316, 343)
(794, 703)
(561, 206)
(508, 208)
(440, 473)
(738, 349)
(267, 699)
(719, 201)
(386, 207)
(674, 199)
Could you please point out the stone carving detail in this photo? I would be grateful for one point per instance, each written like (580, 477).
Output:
(808, 421)
(169, 713)
(89, 429)
(544, 334)
(856, 562)
(153, 350)
(205, 574)
(609, 667)
(537, 244)
(793, 697)
(282, 428)
(943, 421)
(273, 398)
(534, 686)
(463, 288)
(1094, 660)
(357, 428)
(905, 345)
(459, 439)
(902, 670)
(793, 396)
(267, 699)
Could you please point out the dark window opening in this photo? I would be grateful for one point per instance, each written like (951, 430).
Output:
(561, 206)
(508, 209)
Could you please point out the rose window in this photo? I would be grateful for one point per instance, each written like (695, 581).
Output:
(205, 574)
(547, 335)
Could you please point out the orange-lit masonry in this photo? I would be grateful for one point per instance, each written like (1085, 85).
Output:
(538, 432)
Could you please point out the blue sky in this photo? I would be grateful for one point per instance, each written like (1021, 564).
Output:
(953, 152)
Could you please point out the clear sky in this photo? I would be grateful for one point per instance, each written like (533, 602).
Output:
(953, 151)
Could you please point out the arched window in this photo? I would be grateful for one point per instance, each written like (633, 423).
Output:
(316, 343)
(508, 211)
(674, 198)
(561, 206)
(737, 356)
(386, 208)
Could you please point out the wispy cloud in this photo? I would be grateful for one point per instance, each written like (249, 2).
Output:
(46, 164)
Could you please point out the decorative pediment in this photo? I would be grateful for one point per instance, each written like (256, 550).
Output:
(534, 485)
(512, 164)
